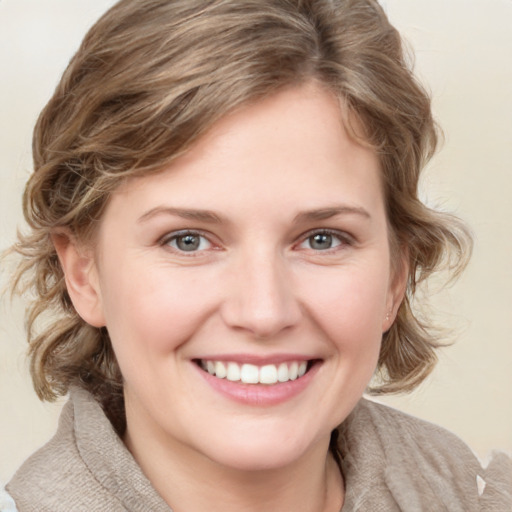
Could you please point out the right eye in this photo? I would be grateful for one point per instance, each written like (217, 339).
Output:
(188, 241)
(322, 241)
(325, 241)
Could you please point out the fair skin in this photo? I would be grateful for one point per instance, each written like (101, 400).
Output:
(267, 246)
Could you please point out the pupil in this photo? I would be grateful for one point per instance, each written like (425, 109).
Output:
(321, 241)
(188, 242)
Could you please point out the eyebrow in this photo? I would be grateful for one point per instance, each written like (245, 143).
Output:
(185, 213)
(212, 218)
(327, 213)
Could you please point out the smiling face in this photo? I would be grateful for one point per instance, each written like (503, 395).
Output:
(246, 287)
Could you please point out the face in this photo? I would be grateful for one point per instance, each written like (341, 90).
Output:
(247, 286)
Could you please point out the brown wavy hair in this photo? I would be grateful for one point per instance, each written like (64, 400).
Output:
(152, 76)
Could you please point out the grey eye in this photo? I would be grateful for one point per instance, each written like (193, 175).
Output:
(189, 242)
(321, 241)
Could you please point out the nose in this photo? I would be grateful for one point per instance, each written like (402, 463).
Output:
(260, 298)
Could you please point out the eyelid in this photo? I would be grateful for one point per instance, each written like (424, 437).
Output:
(344, 237)
(165, 240)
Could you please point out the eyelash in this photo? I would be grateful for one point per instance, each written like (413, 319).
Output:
(168, 239)
(343, 238)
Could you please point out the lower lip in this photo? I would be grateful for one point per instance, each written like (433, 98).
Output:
(260, 394)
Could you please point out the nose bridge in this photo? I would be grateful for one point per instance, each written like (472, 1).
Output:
(261, 299)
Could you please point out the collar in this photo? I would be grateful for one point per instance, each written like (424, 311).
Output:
(390, 461)
(396, 463)
(117, 472)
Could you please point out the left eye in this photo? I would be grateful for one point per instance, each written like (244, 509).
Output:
(321, 241)
(188, 242)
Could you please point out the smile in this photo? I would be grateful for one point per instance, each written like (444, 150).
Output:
(253, 374)
(261, 383)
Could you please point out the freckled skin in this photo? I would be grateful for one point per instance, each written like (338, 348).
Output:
(260, 282)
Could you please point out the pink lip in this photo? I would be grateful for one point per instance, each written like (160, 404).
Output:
(259, 394)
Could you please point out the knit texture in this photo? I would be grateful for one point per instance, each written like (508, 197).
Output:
(390, 462)
(85, 467)
(395, 462)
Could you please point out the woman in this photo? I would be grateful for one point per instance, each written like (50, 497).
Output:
(226, 230)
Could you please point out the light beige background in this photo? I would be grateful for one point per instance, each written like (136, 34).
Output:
(464, 53)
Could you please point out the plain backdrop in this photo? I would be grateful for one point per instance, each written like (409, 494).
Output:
(464, 54)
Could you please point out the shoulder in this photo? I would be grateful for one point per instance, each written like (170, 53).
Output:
(394, 426)
(424, 462)
(54, 471)
(85, 466)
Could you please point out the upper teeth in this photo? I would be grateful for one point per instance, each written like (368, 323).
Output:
(252, 374)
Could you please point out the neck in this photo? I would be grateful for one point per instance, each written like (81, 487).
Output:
(190, 482)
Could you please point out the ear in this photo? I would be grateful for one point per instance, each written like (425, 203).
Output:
(81, 276)
(397, 289)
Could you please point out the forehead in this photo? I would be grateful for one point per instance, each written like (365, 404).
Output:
(292, 146)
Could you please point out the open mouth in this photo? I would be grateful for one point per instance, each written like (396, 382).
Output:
(253, 374)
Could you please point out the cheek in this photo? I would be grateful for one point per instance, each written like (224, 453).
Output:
(349, 305)
(154, 312)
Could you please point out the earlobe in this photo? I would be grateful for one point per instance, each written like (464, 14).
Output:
(81, 278)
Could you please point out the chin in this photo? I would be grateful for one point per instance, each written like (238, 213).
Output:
(255, 458)
(260, 448)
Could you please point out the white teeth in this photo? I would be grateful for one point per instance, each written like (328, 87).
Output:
(293, 372)
(282, 373)
(220, 370)
(210, 366)
(268, 374)
(233, 372)
(251, 374)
